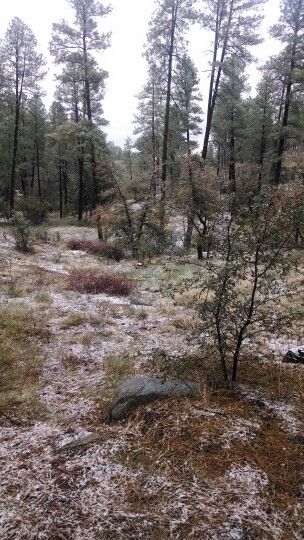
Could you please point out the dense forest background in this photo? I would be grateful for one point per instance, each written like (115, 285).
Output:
(59, 159)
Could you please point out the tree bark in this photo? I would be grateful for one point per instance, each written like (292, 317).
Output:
(163, 186)
(80, 187)
(60, 192)
(38, 163)
(14, 159)
(232, 176)
(89, 109)
(215, 81)
(282, 138)
(262, 147)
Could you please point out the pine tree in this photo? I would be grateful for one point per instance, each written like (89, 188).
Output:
(58, 152)
(234, 26)
(228, 117)
(167, 28)
(148, 125)
(261, 125)
(187, 98)
(76, 45)
(289, 30)
(23, 67)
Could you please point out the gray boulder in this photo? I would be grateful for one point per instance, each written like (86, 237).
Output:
(295, 357)
(138, 391)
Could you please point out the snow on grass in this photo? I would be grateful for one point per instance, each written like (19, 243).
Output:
(285, 412)
(282, 345)
(96, 493)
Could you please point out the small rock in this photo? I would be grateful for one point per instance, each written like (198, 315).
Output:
(138, 391)
(295, 357)
(83, 443)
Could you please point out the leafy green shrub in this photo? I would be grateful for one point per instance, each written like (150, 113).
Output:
(4, 209)
(21, 232)
(34, 210)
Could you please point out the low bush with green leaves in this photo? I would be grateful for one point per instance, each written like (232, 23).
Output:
(33, 209)
(21, 232)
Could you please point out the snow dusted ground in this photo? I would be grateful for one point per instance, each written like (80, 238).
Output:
(174, 470)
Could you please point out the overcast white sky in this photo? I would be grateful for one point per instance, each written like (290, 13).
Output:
(124, 62)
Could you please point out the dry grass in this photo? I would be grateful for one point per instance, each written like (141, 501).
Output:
(44, 298)
(71, 362)
(174, 440)
(19, 322)
(76, 319)
(23, 281)
(279, 381)
(138, 314)
(92, 282)
(97, 247)
(22, 331)
(73, 320)
(118, 368)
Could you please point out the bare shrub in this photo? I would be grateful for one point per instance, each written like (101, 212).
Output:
(88, 281)
(97, 247)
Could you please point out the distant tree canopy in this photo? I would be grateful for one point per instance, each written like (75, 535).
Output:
(61, 159)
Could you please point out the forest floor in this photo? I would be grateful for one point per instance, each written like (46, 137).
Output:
(226, 465)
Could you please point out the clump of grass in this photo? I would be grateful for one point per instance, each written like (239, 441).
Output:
(88, 339)
(21, 333)
(44, 298)
(92, 282)
(73, 320)
(97, 247)
(138, 314)
(188, 367)
(71, 362)
(20, 322)
(118, 368)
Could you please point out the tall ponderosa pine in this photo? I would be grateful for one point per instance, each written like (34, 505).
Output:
(23, 68)
(58, 153)
(167, 28)
(187, 98)
(228, 117)
(148, 126)
(234, 26)
(76, 45)
(289, 30)
(259, 136)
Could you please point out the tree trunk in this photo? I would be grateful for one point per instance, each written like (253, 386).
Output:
(154, 151)
(33, 174)
(189, 231)
(282, 139)
(163, 185)
(262, 148)
(215, 82)
(191, 215)
(80, 188)
(38, 165)
(89, 110)
(232, 177)
(14, 160)
(60, 192)
(65, 185)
